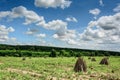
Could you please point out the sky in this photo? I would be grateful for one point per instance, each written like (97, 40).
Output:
(90, 24)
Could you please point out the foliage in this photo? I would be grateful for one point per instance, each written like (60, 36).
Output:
(41, 51)
(53, 53)
(62, 53)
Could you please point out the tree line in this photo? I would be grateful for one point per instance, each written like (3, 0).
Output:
(45, 51)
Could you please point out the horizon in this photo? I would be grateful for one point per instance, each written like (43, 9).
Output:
(61, 47)
(93, 25)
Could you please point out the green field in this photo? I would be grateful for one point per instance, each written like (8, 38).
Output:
(59, 68)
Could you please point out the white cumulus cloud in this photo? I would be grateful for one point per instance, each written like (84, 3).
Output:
(53, 3)
(71, 19)
(72, 42)
(40, 35)
(4, 32)
(52, 25)
(31, 31)
(105, 30)
(32, 17)
(64, 34)
(95, 12)
(22, 12)
(4, 14)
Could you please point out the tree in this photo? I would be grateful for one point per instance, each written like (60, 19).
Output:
(53, 53)
(32, 48)
(72, 53)
(106, 53)
(62, 53)
(78, 54)
(92, 54)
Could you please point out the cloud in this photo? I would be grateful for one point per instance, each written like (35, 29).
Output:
(4, 32)
(22, 12)
(13, 39)
(72, 42)
(4, 14)
(64, 34)
(32, 17)
(41, 42)
(71, 19)
(53, 3)
(11, 29)
(34, 32)
(31, 31)
(101, 2)
(40, 35)
(95, 12)
(52, 25)
(117, 9)
(105, 30)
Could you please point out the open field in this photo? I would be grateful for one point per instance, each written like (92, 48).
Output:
(14, 68)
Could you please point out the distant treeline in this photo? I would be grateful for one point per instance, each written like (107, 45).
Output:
(44, 51)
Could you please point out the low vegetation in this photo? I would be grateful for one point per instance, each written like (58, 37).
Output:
(60, 68)
(53, 63)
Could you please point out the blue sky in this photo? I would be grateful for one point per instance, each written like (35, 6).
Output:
(91, 24)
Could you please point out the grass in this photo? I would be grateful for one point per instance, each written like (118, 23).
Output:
(14, 68)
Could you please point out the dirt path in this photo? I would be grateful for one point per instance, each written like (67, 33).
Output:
(24, 72)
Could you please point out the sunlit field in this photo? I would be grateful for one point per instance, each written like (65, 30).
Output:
(59, 68)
